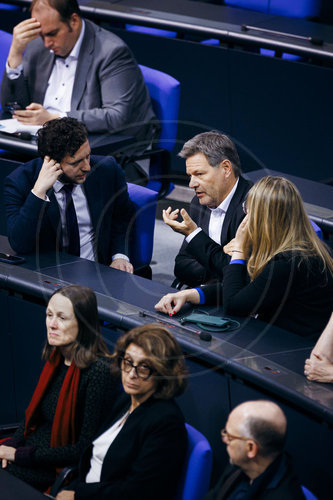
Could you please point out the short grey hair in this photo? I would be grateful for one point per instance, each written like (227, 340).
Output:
(216, 147)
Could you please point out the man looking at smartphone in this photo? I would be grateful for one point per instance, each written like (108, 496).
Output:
(67, 201)
(62, 65)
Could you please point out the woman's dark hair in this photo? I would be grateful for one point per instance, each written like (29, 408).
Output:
(61, 137)
(163, 354)
(89, 344)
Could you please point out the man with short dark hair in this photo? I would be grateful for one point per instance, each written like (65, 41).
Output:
(62, 65)
(254, 435)
(213, 165)
(65, 202)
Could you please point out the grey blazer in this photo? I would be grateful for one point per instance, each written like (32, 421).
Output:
(109, 93)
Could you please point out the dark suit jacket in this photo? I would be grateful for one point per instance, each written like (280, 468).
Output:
(202, 259)
(145, 460)
(34, 224)
(278, 482)
(109, 93)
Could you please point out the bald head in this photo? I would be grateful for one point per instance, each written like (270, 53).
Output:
(264, 422)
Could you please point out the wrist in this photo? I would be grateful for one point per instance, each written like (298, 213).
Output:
(40, 193)
(192, 296)
(14, 60)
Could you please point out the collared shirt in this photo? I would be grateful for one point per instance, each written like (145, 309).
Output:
(216, 219)
(59, 90)
(86, 229)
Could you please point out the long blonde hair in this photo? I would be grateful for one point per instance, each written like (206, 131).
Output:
(278, 223)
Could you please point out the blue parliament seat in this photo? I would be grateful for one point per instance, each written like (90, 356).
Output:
(148, 30)
(7, 6)
(296, 8)
(164, 92)
(5, 42)
(141, 247)
(308, 495)
(195, 480)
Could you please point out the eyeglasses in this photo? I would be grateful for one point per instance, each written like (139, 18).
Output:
(244, 207)
(230, 437)
(142, 370)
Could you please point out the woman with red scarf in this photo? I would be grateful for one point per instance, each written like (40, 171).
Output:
(73, 395)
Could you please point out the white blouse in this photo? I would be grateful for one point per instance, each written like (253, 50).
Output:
(100, 448)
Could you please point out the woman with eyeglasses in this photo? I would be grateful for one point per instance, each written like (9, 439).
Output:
(139, 452)
(279, 269)
(73, 396)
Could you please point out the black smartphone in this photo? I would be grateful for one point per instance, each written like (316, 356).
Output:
(11, 259)
(12, 107)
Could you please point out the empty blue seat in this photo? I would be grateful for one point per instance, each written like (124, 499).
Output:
(148, 30)
(164, 91)
(195, 479)
(288, 8)
(5, 42)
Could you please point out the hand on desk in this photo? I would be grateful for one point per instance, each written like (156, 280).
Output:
(185, 227)
(23, 33)
(318, 368)
(7, 455)
(173, 302)
(34, 114)
(122, 265)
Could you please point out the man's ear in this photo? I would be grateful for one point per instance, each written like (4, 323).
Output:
(252, 449)
(74, 20)
(227, 166)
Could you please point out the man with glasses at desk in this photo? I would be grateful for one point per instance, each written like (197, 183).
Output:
(67, 202)
(62, 65)
(254, 435)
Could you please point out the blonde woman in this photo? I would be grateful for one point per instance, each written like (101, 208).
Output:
(279, 269)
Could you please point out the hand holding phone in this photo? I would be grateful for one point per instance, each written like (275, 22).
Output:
(12, 107)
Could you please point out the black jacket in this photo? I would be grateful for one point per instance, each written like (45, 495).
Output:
(202, 259)
(146, 458)
(278, 482)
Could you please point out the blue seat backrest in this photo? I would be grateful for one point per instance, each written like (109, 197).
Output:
(195, 480)
(164, 92)
(142, 230)
(6, 6)
(308, 495)
(288, 8)
(5, 41)
(148, 30)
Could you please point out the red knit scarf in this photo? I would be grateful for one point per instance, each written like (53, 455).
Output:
(64, 422)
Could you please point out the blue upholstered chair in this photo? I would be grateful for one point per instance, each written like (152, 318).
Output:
(296, 8)
(7, 6)
(148, 30)
(195, 480)
(317, 229)
(308, 495)
(164, 92)
(5, 41)
(142, 230)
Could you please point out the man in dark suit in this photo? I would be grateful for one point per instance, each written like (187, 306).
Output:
(61, 65)
(213, 165)
(254, 435)
(64, 202)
